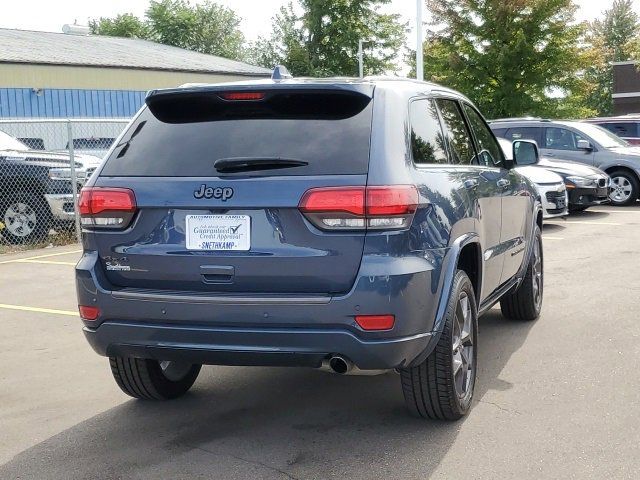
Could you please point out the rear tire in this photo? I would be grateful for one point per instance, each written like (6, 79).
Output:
(147, 379)
(625, 188)
(441, 387)
(525, 303)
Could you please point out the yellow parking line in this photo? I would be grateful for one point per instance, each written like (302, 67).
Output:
(594, 223)
(39, 310)
(41, 256)
(48, 262)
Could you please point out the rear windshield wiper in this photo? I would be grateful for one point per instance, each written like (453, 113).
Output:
(243, 164)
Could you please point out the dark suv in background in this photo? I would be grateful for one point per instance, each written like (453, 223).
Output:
(340, 224)
(626, 127)
(584, 143)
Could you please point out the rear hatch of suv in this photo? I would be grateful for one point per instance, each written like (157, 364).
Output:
(202, 191)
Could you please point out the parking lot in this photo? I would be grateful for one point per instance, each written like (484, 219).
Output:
(557, 398)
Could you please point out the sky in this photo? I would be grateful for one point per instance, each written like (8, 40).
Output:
(50, 15)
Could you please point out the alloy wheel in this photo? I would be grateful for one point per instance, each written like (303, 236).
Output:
(622, 189)
(462, 346)
(174, 371)
(537, 275)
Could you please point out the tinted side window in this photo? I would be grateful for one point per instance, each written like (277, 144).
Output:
(490, 153)
(523, 133)
(458, 135)
(427, 139)
(561, 139)
(33, 143)
(625, 129)
(500, 132)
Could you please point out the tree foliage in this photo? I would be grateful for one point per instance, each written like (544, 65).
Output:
(322, 39)
(512, 57)
(205, 27)
(124, 25)
(615, 38)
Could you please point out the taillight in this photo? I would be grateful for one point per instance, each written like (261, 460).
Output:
(388, 207)
(236, 96)
(106, 207)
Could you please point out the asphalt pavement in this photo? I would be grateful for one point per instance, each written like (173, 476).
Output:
(556, 398)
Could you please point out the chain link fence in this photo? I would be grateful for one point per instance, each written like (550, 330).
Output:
(43, 165)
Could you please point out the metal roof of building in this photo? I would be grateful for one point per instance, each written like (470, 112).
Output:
(24, 46)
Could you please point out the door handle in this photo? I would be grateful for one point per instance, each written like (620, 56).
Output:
(470, 184)
(503, 183)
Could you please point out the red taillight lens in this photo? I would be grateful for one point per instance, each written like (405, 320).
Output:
(398, 200)
(375, 322)
(349, 208)
(334, 199)
(242, 95)
(88, 312)
(106, 207)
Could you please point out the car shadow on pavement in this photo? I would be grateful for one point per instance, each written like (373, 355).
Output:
(589, 215)
(269, 423)
(552, 227)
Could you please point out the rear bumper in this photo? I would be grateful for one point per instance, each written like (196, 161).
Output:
(252, 346)
(272, 330)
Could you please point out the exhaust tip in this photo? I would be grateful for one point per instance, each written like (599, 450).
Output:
(339, 365)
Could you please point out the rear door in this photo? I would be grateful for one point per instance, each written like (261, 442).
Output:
(218, 177)
(515, 201)
(562, 143)
(481, 180)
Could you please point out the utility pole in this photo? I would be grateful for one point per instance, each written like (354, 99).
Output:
(360, 59)
(419, 60)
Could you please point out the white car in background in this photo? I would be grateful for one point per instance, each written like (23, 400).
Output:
(551, 186)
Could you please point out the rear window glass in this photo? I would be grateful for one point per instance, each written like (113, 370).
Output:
(335, 141)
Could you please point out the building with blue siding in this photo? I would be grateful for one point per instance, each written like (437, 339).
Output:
(57, 75)
(69, 103)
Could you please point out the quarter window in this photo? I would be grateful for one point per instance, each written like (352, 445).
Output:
(490, 153)
(461, 146)
(427, 138)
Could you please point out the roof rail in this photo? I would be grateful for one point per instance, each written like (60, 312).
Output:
(280, 73)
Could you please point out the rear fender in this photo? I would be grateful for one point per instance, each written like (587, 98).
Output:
(449, 269)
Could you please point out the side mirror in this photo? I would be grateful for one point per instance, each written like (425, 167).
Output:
(525, 152)
(584, 145)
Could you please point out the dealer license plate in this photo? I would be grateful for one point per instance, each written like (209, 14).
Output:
(218, 232)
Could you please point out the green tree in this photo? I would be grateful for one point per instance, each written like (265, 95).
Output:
(615, 38)
(511, 57)
(205, 27)
(124, 25)
(322, 40)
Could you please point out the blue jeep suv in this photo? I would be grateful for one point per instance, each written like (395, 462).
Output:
(351, 225)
